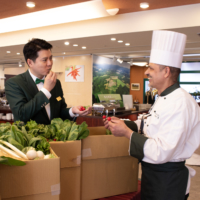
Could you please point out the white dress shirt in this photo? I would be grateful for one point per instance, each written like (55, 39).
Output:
(48, 95)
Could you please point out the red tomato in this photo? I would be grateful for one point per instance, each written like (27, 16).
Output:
(104, 117)
(54, 139)
(109, 118)
(82, 108)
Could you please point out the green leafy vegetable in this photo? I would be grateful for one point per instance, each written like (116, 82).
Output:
(11, 162)
(34, 141)
(83, 131)
(19, 124)
(15, 143)
(108, 132)
(43, 146)
(31, 125)
(73, 135)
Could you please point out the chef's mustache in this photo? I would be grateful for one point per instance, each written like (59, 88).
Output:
(149, 76)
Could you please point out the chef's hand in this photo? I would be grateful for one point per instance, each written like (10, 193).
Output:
(50, 81)
(105, 121)
(76, 110)
(119, 128)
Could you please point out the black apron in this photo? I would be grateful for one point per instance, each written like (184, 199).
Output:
(166, 181)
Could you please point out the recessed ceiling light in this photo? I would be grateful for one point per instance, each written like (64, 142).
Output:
(83, 47)
(75, 45)
(63, 52)
(30, 4)
(141, 64)
(66, 43)
(127, 44)
(20, 64)
(7, 51)
(120, 41)
(144, 5)
(18, 53)
(113, 39)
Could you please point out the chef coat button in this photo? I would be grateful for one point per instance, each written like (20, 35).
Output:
(154, 111)
(145, 122)
(147, 125)
(165, 98)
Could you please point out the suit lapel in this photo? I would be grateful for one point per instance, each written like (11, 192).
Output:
(31, 84)
(34, 90)
(52, 102)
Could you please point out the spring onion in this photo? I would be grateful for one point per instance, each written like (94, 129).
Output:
(8, 151)
(16, 150)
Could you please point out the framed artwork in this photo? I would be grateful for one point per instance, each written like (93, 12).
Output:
(74, 73)
(135, 86)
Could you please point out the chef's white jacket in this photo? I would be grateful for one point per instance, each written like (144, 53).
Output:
(172, 129)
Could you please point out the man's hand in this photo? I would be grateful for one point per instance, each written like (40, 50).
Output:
(106, 124)
(76, 110)
(50, 81)
(118, 127)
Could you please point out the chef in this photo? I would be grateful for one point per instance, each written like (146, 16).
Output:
(171, 130)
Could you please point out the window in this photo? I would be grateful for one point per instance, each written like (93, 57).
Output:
(190, 78)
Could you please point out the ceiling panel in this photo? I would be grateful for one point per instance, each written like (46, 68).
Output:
(9, 8)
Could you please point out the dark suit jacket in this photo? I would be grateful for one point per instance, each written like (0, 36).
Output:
(26, 102)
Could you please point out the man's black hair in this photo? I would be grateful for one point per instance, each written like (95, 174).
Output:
(32, 47)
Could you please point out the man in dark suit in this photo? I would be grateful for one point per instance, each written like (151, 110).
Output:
(37, 94)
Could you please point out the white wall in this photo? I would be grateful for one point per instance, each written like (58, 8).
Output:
(75, 93)
(14, 71)
(1, 77)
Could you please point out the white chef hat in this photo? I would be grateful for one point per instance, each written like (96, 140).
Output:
(167, 48)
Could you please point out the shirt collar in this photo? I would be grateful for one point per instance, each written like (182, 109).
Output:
(170, 89)
(34, 77)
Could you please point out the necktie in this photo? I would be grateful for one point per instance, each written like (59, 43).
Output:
(37, 81)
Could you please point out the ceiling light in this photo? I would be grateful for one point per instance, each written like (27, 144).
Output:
(120, 41)
(141, 64)
(113, 11)
(7, 51)
(20, 64)
(18, 53)
(63, 52)
(30, 4)
(119, 60)
(75, 45)
(66, 43)
(144, 5)
(83, 47)
(127, 44)
(113, 39)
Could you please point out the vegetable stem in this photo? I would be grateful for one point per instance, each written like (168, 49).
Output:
(8, 151)
(17, 151)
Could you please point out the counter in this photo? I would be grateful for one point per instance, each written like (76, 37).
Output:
(93, 121)
(5, 110)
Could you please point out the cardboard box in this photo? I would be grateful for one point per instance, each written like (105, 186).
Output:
(70, 172)
(37, 180)
(106, 168)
